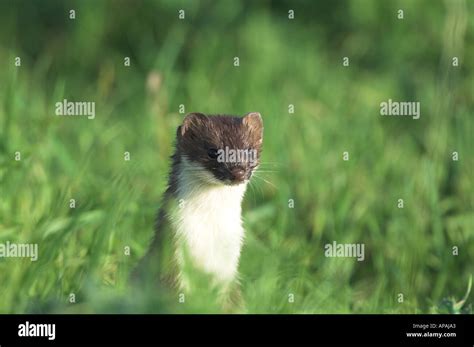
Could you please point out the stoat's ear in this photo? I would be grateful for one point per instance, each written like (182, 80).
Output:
(191, 120)
(253, 121)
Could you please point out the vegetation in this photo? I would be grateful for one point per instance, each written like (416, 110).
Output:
(282, 61)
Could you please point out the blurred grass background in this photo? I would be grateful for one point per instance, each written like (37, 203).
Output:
(282, 62)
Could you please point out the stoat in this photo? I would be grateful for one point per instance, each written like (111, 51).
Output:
(199, 225)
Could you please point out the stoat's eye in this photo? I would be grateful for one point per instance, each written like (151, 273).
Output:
(212, 153)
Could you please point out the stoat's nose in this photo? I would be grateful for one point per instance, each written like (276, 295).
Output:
(238, 174)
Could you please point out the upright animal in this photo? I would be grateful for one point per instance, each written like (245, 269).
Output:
(199, 233)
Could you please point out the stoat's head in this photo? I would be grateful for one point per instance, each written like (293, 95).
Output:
(221, 149)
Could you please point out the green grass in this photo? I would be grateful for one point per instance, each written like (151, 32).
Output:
(282, 62)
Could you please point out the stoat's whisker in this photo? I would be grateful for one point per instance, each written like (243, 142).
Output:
(266, 181)
(254, 187)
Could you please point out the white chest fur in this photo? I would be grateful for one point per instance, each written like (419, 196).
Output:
(208, 223)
